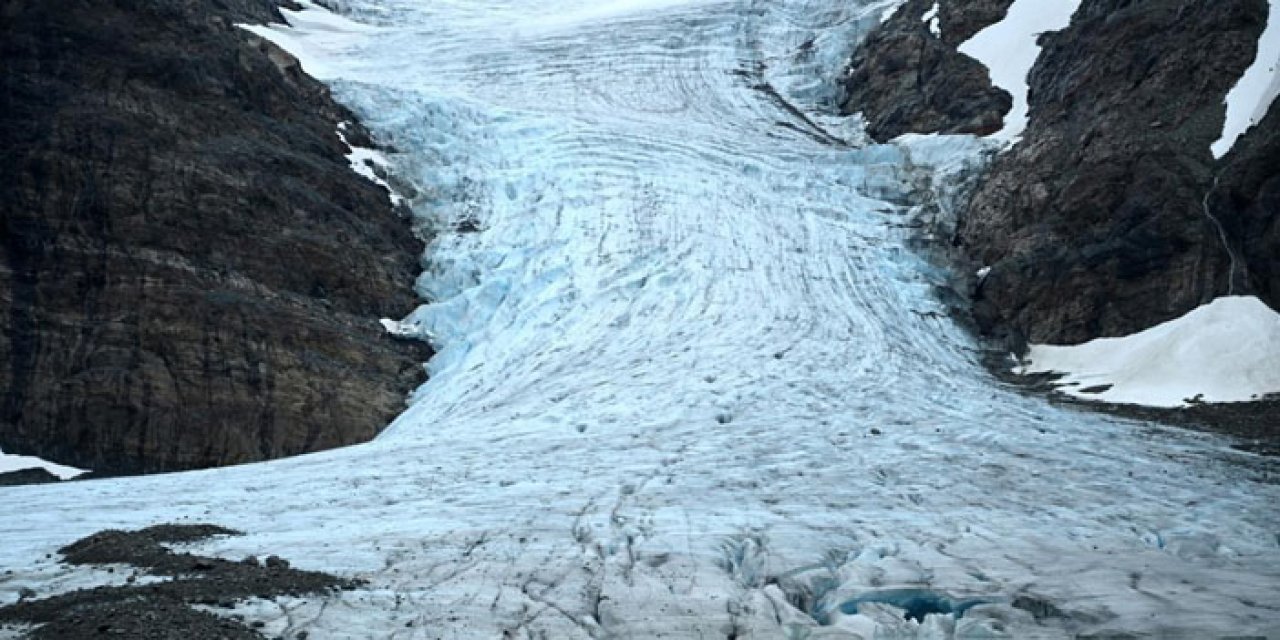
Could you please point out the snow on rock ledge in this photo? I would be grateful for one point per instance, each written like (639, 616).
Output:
(931, 17)
(366, 162)
(11, 462)
(1009, 49)
(1225, 351)
(1249, 100)
(328, 34)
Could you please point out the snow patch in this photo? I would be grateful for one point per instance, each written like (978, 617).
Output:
(890, 9)
(10, 462)
(931, 17)
(1225, 351)
(406, 329)
(326, 34)
(1249, 100)
(363, 160)
(1009, 49)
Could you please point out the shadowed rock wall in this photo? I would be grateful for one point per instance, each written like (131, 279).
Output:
(190, 273)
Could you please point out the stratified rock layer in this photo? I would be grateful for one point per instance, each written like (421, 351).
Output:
(190, 273)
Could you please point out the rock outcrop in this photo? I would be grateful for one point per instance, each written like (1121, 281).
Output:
(27, 476)
(1095, 225)
(905, 79)
(190, 273)
(1104, 218)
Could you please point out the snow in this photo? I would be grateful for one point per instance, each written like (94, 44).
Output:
(401, 329)
(363, 160)
(1009, 49)
(327, 33)
(1225, 351)
(931, 17)
(688, 373)
(331, 33)
(889, 7)
(12, 462)
(1251, 98)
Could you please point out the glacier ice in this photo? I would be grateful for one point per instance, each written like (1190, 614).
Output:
(690, 382)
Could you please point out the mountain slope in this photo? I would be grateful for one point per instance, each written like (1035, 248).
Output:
(1104, 219)
(190, 273)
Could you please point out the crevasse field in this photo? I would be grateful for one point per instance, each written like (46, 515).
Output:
(691, 383)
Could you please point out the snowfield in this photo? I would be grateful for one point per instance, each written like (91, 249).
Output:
(1224, 351)
(690, 382)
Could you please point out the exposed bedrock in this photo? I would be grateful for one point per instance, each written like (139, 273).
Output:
(905, 79)
(1101, 220)
(190, 273)
(1247, 202)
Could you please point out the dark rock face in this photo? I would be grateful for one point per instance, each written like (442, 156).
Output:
(190, 274)
(960, 21)
(1101, 221)
(27, 476)
(1094, 225)
(1247, 202)
(904, 79)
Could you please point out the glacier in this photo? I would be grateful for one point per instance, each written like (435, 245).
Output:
(690, 380)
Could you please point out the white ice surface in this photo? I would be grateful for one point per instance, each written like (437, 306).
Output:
(689, 372)
(1225, 351)
(47, 576)
(1009, 49)
(1249, 100)
(13, 462)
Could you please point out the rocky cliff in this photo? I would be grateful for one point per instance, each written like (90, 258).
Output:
(1103, 219)
(905, 79)
(190, 273)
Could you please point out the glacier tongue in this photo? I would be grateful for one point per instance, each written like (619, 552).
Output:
(690, 382)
